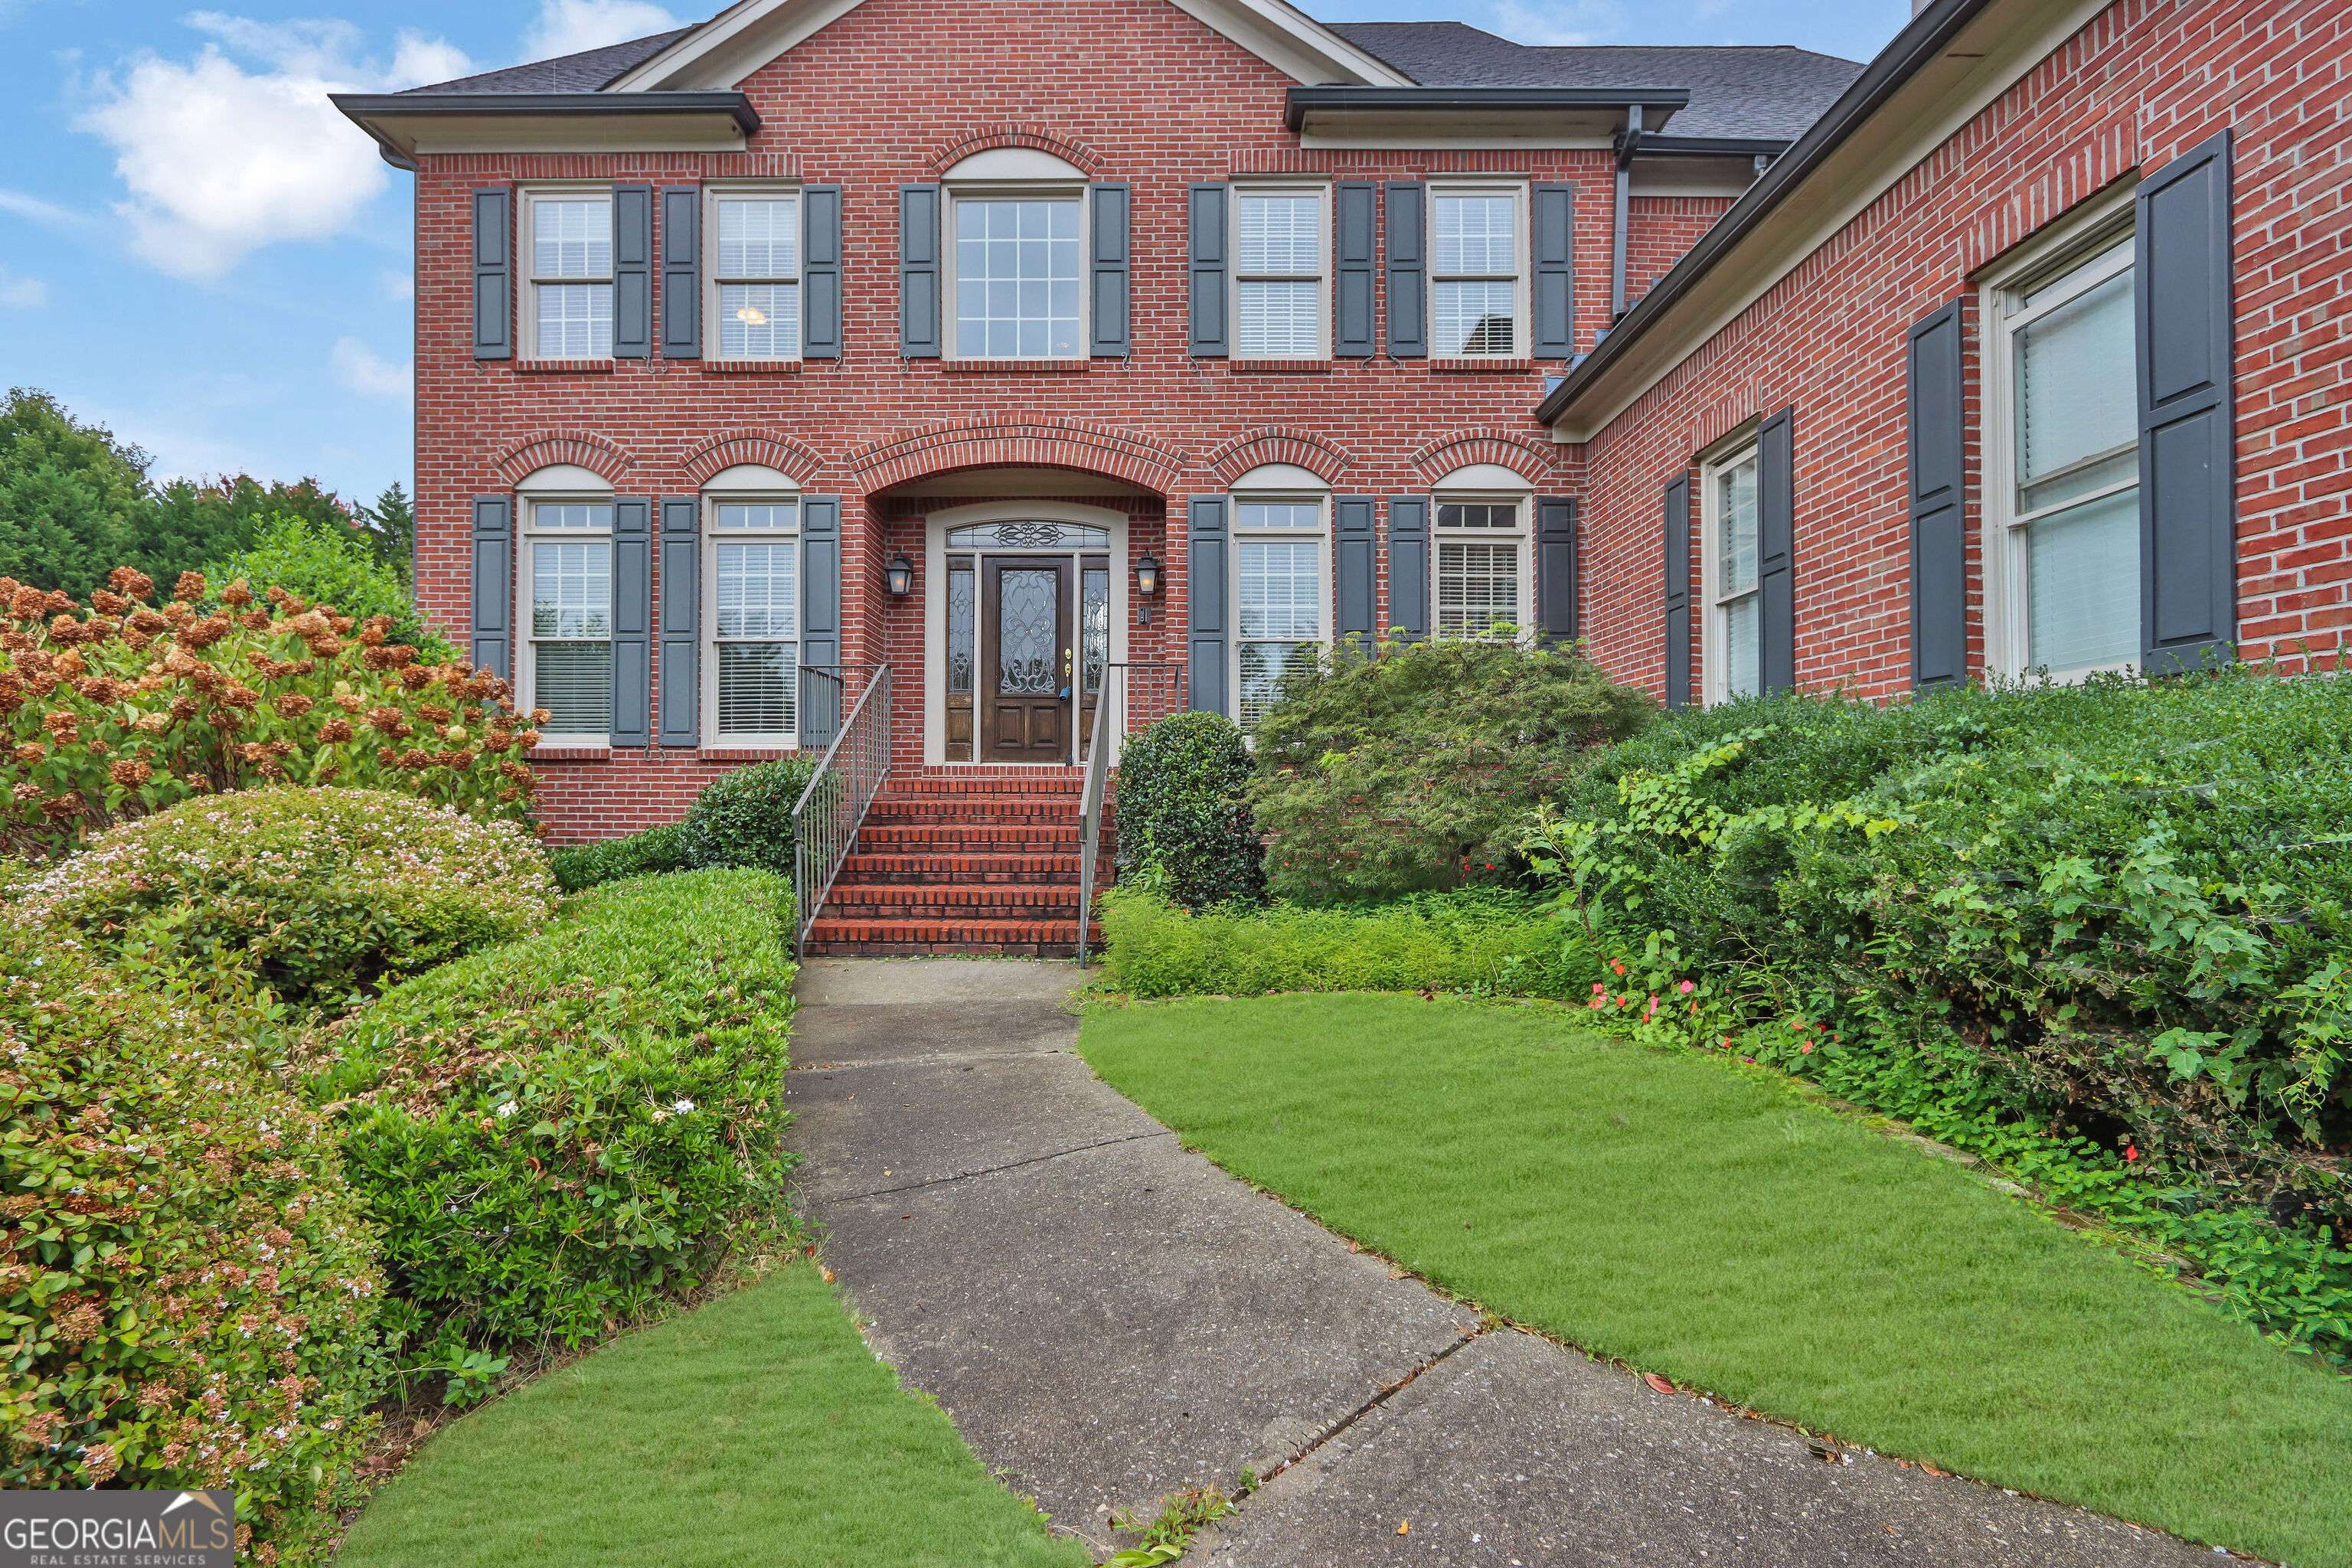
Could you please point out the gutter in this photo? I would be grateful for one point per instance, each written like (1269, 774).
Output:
(1656, 144)
(363, 108)
(1916, 46)
(1443, 100)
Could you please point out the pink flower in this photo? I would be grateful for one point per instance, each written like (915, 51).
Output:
(1599, 988)
(1687, 986)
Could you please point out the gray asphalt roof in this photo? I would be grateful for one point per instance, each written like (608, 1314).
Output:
(589, 71)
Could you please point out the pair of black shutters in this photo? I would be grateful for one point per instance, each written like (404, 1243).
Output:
(1209, 538)
(635, 269)
(676, 641)
(2183, 264)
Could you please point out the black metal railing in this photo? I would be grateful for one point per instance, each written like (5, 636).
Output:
(846, 709)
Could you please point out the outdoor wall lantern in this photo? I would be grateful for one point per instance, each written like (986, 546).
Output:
(902, 578)
(1147, 575)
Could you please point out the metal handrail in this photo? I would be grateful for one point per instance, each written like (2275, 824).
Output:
(831, 810)
(1091, 797)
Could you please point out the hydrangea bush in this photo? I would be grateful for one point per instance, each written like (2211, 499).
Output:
(123, 707)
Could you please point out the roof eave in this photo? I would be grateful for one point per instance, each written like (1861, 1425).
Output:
(382, 115)
(1407, 102)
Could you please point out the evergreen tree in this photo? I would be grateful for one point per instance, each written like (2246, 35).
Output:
(72, 498)
(391, 525)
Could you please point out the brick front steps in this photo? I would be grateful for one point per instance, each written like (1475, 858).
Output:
(964, 861)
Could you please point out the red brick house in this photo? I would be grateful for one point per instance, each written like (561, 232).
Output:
(1122, 348)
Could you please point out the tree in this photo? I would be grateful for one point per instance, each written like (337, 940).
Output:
(72, 498)
(391, 524)
(192, 523)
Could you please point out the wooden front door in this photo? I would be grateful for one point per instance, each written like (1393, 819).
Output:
(1027, 660)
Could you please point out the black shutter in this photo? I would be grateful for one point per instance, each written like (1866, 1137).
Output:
(820, 272)
(1356, 224)
(681, 271)
(1409, 566)
(820, 715)
(1108, 223)
(1776, 551)
(1206, 220)
(633, 621)
(1939, 586)
(493, 272)
(1556, 569)
(918, 271)
(633, 271)
(681, 621)
(1678, 592)
(2188, 461)
(490, 637)
(1408, 224)
(1205, 586)
(1554, 252)
(1355, 572)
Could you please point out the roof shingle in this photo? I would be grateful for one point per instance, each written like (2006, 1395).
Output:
(592, 70)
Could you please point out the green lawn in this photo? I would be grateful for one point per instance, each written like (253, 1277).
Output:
(756, 1430)
(1710, 1225)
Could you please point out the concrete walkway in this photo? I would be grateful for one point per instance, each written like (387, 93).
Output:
(1110, 1318)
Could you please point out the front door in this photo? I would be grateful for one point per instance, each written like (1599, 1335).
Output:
(1027, 660)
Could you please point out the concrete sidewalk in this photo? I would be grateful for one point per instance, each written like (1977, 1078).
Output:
(1110, 1318)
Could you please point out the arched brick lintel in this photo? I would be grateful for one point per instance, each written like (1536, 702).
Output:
(1034, 137)
(1536, 460)
(1256, 448)
(580, 448)
(731, 447)
(1083, 447)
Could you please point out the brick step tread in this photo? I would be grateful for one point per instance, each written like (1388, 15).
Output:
(933, 784)
(936, 934)
(882, 900)
(964, 864)
(1004, 810)
(941, 949)
(942, 838)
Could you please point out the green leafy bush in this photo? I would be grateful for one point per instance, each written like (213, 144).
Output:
(323, 891)
(186, 1283)
(333, 564)
(582, 865)
(1484, 940)
(1184, 817)
(555, 1133)
(745, 817)
(1418, 767)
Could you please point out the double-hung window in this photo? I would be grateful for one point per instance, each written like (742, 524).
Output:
(754, 619)
(1475, 284)
(567, 581)
(1732, 642)
(756, 271)
(2064, 503)
(1020, 275)
(568, 236)
(1484, 587)
(1278, 274)
(1279, 598)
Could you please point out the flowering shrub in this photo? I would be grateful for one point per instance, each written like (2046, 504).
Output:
(323, 891)
(333, 564)
(186, 1282)
(123, 707)
(556, 1132)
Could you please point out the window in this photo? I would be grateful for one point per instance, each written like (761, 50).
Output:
(1483, 582)
(757, 273)
(2064, 502)
(1732, 643)
(1279, 549)
(1278, 288)
(1473, 289)
(570, 243)
(1019, 277)
(753, 615)
(567, 583)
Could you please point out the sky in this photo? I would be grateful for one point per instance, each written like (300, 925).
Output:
(197, 251)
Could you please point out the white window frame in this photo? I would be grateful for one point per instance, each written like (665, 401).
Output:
(713, 536)
(1320, 537)
(526, 256)
(2101, 237)
(1522, 310)
(529, 536)
(1321, 278)
(950, 252)
(1521, 534)
(713, 282)
(1715, 628)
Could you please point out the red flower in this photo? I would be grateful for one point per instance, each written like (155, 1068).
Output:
(2131, 1153)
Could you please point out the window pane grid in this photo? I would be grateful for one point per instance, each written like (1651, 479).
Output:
(759, 515)
(755, 624)
(1278, 321)
(572, 237)
(759, 238)
(1472, 318)
(571, 630)
(575, 321)
(1477, 237)
(1019, 279)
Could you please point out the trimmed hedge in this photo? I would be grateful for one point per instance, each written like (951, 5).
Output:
(745, 817)
(580, 866)
(1183, 812)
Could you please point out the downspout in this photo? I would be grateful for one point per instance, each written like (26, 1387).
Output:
(1626, 144)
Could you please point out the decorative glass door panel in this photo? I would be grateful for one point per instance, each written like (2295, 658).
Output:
(1028, 664)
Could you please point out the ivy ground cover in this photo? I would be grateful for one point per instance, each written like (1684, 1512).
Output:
(1711, 1223)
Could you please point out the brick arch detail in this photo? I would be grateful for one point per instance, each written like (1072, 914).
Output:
(1255, 448)
(599, 455)
(988, 444)
(730, 447)
(1523, 454)
(1034, 137)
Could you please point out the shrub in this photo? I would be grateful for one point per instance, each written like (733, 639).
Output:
(122, 708)
(582, 865)
(187, 1285)
(1183, 817)
(323, 891)
(1417, 768)
(333, 564)
(554, 1134)
(745, 818)
(1484, 940)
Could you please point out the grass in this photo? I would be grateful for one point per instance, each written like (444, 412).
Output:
(1711, 1225)
(759, 1429)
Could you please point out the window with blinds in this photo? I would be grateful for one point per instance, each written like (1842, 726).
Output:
(1019, 278)
(1481, 577)
(757, 273)
(754, 621)
(571, 620)
(1474, 288)
(1735, 639)
(570, 250)
(1280, 549)
(1278, 275)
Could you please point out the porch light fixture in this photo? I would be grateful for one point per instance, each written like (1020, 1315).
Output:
(1147, 575)
(902, 578)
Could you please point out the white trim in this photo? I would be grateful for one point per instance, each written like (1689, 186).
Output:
(753, 479)
(560, 480)
(1714, 644)
(1013, 165)
(712, 195)
(1321, 190)
(1522, 325)
(1280, 477)
(712, 538)
(527, 534)
(950, 251)
(1485, 477)
(1326, 615)
(1521, 534)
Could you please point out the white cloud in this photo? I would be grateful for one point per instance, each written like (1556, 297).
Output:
(22, 292)
(398, 286)
(363, 371)
(1560, 21)
(31, 206)
(568, 26)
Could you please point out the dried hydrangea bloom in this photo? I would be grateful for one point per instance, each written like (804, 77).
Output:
(131, 775)
(137, 584)
(189, 588)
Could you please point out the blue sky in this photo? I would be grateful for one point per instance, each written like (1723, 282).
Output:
(240, 299)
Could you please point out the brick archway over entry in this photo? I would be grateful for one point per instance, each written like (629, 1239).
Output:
(1086, 447)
